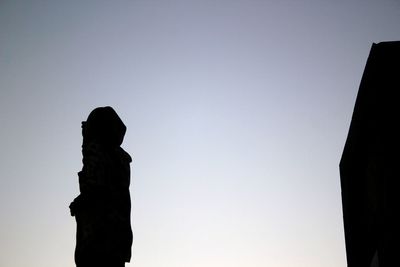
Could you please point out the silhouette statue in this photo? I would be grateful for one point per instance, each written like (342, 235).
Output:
(102, 209)
(369, 167)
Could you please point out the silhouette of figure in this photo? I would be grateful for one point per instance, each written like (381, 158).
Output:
(102, 209)
(369, 167)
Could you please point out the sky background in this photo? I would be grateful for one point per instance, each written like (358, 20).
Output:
(237, 113)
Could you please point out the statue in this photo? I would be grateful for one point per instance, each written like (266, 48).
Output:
(369, 167)
(103, 208)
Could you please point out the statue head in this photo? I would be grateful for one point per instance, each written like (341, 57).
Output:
(103, 126)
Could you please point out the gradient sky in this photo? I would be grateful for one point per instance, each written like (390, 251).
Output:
(237, 114)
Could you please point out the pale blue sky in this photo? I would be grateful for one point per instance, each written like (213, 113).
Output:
(237, 114)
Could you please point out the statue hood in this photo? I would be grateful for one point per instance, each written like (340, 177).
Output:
(103, 126)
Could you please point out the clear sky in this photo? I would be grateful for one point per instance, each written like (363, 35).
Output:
(237, 113)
